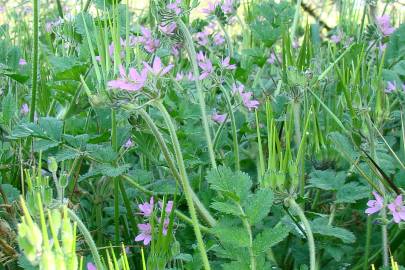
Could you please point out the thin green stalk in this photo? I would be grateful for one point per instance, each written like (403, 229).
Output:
(127, 204)
(60, 9)
(87, 238)
(298, 137)
(35, 60)
(249, 232)
(227, 38)
(193, 58)
(234, 131)
(310, 237)
(295, 21)
(86, 6)
(205, 214)
(115, 179)
(367, 245)
(185, 183)
(384, 232)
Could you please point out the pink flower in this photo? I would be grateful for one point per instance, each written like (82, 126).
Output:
(206, 67)
(134, 82)
(22, 62)
(129, 143)
(375, 205)
(150, 44)
(219, 118)
(248, 102)
(168, 29)
(227, 6)
(176, 49)
(391, 86)
(210, 8)
(24, 109)
(157, 68)
(238, 88)
(175, 7)
(165, 226)
(190, 76)
(225, 64)
(202, 38)
(295, 44)
(383, 22)
(146, 208)
(2, 9)
(145, 235)
(219, 39)
(336, 38)
(179, 76)
(91, 266)
(169, 206)
(397, 209)
(272, 59)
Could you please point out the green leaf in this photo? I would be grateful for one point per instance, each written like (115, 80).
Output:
(11, 193)
(351, 192)
(327, 180)
(51, 127)
(258, 205)
(233, 235)
(67, 68)
(344, 146)
(103, 153)
(396, 46)
(320, 226)
(9, 108)
(66, 154)
(227, 208)
(269, 238)
(235, 185)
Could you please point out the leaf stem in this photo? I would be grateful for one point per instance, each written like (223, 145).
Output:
(310, 237)
(193, 58)
(249, 232)
(87, 237)
(185, 183)
(35, 60)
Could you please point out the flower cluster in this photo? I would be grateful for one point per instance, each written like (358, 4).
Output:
(247, 100)
(384, 24)
(205, 64)
(149, 43)
(396, 207)
(145, 229)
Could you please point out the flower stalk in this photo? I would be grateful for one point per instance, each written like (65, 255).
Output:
(35, 60)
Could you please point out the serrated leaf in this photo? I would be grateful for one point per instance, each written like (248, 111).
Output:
(327, 180)
(226, 208)
(344, 146)
(52, 127)
(269, 238)
(258, 205)
(320, 226)
(9, 108)
(103, 153)
(235, 185)
(351, 192)
(111, 171)
(66, 154)
(232, 235)
(11, 193)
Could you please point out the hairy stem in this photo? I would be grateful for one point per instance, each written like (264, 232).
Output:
(234, 131)
(185, 183)
(205, 214)
(87, 238)
(310, 237)
(115, 179)
(249, 232)
(35, 60)
(193, 58)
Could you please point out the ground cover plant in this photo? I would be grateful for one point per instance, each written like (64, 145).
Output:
(202, 135)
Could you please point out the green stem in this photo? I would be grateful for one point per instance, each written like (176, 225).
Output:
(205, 214)
(295, 21)
(193, 58)
(367, 246)
(298, 137)
(115, 179)
(185, 183)
(249, 232)
(234, 131)
(35, 60)
(87, 237)
(384, 232)
(86, 6)
(60, 10)
(227, 38)
(310, 237)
